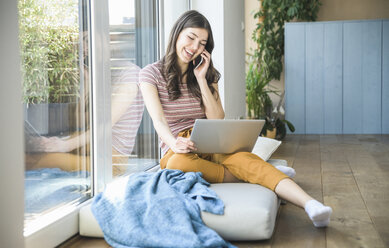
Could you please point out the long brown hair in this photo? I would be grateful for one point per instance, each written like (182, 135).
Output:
(171, 70)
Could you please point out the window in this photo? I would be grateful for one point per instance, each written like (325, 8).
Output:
(132, 27)
(64, 92)
(56, 84)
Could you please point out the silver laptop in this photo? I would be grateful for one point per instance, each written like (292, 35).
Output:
(225, 136)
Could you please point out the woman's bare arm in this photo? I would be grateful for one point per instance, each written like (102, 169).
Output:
(154, 107)
(212, 102)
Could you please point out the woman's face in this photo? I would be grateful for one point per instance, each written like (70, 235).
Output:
(191, 43)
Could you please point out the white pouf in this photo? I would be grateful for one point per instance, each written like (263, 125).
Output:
(249, 214)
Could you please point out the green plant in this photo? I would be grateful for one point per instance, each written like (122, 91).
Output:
(49, 35)
(265, 62)
(257, 89)
(276, 120)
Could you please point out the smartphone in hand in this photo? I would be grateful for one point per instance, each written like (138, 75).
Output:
(198, 61)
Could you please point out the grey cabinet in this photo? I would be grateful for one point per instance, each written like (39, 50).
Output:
(337, 77)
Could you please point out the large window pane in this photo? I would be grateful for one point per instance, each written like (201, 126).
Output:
(133, 45)
(54, 52)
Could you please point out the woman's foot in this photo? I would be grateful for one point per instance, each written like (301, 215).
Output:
(289, 171)
(318, 213)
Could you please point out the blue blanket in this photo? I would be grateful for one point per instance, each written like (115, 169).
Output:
(159, 209)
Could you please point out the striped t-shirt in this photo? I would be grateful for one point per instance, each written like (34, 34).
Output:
(181, 113)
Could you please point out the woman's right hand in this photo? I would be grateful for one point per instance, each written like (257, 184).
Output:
(183, 145)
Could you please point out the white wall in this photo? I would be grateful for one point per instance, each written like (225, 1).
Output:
(234, 59)
(213, 11)
(226, 18)
(11, 130)
(171, 9)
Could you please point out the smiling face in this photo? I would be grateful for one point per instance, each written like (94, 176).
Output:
(190, 44)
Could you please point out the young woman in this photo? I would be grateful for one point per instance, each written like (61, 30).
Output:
(176, 93)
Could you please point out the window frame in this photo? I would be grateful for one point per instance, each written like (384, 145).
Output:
(101, 89)
(11, 144)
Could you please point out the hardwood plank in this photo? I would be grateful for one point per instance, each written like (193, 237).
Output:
(378, 150)
(348, 139)
(288, 148)
(294, 228)
(253, 244)
(351, 225)
(307, 166)
(84, 242)
(385, 139)
(372, 180)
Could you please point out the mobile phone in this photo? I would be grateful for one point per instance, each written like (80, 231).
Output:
(198, 61)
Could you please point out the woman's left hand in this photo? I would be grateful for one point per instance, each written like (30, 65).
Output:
(201, 71)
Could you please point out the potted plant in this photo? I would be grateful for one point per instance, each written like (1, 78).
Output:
(275, 125)
(259, 104)
(265, 63)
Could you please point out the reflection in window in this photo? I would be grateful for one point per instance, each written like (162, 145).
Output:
(54, 52)
(134, 142)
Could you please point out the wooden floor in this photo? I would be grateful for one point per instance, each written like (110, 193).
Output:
(350, 173)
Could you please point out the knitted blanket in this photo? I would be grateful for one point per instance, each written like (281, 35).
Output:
(161, 209)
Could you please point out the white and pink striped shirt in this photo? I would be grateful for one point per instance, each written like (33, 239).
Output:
(180, 113)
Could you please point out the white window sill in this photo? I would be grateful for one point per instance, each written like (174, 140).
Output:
(53, 228)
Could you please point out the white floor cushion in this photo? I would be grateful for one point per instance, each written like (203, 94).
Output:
(250, 213)
(88, 223)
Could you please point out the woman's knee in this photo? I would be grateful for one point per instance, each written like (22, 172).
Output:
(240, 158)
(181, 161)
(188, 162)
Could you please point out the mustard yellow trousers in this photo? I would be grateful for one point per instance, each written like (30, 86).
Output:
(245, 166)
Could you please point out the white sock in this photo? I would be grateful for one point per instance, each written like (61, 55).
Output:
(289, 171)
(318, 213)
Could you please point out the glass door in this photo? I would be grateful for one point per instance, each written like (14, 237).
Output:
(54, 48)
